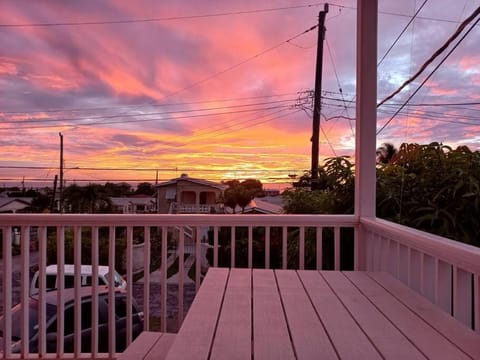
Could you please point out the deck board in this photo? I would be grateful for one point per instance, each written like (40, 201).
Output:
(306, 314)
(160, 348)
(425, 337)
(148, 345)
(458, 333)
(233, 338)
(391, 343)
(309, 338)
(195, 336)
(271, 339)
(337, 320)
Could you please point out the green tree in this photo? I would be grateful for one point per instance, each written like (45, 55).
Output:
(386, 153)
(118, 189)
(41, 203)
(145, 188)
(241, 193)
(335, 193)
(433, 188)
(91, 199)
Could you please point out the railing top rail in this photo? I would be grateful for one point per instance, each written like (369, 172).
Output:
(453, 252)
(175, 220)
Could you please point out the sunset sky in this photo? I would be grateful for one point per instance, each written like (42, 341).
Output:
(216, 89)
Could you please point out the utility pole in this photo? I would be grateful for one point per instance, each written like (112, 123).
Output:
(52, 204)
(317, 98)
(60, 190)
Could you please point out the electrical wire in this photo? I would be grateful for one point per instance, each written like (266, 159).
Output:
(401, 33)
(432, 72)
(339, 85)
(436, 54)
(42, 120)
(152, 105)
(137, 121)
(159, 19)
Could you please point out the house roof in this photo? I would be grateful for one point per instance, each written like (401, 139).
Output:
(121, 201)
(13, 204)
(192, 180)
(259, 205)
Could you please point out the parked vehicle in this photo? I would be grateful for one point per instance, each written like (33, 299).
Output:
(69, 275)
(69, 323)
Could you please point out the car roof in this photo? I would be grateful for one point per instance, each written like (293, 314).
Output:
(69, 294)
(70, 269)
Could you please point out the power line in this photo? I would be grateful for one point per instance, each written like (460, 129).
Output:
(42, 120)
(159, 19)
(191, 116)
(339, 85)
(152, 105)
(463, 103)
(401, 33)
(476, 12)
(428, 18)
(436, 54)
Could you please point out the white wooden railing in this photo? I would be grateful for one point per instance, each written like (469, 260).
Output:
(181, 208)
(444, 271)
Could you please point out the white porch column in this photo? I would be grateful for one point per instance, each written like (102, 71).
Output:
(366, 117)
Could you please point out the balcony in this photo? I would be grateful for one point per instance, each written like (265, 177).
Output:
(182, 208)
(445, 272)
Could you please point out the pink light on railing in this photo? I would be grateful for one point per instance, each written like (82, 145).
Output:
(257, 230)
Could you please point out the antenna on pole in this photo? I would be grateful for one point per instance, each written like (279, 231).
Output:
(317, 98)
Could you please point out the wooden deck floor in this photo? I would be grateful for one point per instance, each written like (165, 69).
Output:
(287, 314)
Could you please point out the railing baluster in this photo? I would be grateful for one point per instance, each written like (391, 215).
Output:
(94, 344)
(163, 285)
(129, 283)
(7, 289)
(146, 277)
(250, 247)
(232, 246)
(443, 294)
(337, 247)
(476, 289)
(428, 283)
(215, 246)
(111, 296)
(198, 259)
(284, 247)
(77, 254)
(358, 249)
(462, 296)
(181, 275)
(42, 308)
(24, 291)
(403, 264)
(267, 247)
(301, 248)
(415, 273)
(61, 287)
(319, 246)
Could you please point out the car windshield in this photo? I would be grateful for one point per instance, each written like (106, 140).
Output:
(32, 318)
(117, 279)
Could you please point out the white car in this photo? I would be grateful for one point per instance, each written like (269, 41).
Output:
(85, 276)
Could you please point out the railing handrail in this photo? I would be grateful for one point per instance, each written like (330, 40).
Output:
(453, 252)
(119, 220)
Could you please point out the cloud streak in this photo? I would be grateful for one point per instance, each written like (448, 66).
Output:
(134, 94)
